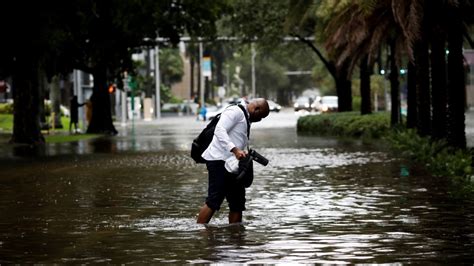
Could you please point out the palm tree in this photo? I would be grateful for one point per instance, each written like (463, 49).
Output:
(440, 18)
(362, 29)
(412, 108)
(437, 39)
(456, 82)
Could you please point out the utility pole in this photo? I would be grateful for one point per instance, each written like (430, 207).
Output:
(253, 70)
(201, 73)
(157, 81)
(124, 100)
(80, 97)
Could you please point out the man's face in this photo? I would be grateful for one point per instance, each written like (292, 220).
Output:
(258, 111)
(254, 118)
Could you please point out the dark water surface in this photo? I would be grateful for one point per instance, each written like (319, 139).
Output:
(134, 198)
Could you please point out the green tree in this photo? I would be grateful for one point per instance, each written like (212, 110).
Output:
(271, 67)
(171, 66)
(95, 36)
(32, 48)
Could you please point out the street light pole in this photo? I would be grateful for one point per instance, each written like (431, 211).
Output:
(201, 73)
(253, 71)
(124, 100)
(80, 97)
(157, 81)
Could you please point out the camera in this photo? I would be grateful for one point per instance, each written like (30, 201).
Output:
(258, 157)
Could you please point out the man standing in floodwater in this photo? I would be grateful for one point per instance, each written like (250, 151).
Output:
(230, 139)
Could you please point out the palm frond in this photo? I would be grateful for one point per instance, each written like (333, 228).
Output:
(298, 13)
(409, 16)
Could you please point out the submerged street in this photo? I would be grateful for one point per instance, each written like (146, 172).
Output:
(134, 198)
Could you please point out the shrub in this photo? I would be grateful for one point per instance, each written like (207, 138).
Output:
(350, 124)
(6, 108)
(438, 157)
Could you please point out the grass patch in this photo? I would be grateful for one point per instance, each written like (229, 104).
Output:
(64, 121)
(68, 138)
(6, 122)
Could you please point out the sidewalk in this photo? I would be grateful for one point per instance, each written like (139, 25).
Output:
(470, 128)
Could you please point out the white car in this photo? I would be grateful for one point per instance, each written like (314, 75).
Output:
(274, 107)
(302, 103)
(328, 104)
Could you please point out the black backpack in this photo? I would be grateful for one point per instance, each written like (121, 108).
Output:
(202, 141)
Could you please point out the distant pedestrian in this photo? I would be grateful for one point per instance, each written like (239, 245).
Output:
(74, 106)
(203, 112)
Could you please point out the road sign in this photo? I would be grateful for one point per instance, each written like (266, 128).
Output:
(206, 67)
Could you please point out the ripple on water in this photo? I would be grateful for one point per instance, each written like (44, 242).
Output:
(309, 205)
(317, 158)
(168, 224)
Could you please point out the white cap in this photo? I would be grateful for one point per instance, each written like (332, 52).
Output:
(232, 165)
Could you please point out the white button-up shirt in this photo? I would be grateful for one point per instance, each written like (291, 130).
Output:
(230, 132)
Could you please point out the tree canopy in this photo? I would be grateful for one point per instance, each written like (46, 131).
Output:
(95, 36)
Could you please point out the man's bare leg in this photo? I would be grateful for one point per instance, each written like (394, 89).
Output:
(235, 217)
(205, 215)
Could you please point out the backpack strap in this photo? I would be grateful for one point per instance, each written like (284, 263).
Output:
(246, 118)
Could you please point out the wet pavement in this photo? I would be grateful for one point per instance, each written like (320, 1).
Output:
(134, 199)
(470, 128)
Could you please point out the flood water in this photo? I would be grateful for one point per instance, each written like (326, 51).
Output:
(134, 198)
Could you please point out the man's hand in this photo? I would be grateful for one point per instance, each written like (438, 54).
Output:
(239, 154)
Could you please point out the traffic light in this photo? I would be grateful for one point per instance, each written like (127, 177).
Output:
(112, 88)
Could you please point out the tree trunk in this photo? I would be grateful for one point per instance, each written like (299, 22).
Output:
(394, 87)
(191, 63)
(199, 77)
(423, 87)
(344, 89)
(438, 85)
(365, 107)
(150, 60)
(340, 75)
(42, 90)
(55, 97)
(101, 120)
(218, 57)
(456, 84)
(412, 107)
(26, 120)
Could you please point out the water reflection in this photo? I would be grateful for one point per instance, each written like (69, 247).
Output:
(318, 201)
(25, 151)
(103, 145)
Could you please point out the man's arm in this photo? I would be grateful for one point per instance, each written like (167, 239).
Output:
(227, 121)
(239, 154)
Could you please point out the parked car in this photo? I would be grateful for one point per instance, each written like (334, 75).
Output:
(302, 103)
(328, 104)
(274, 107)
